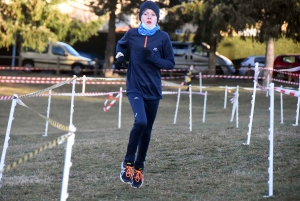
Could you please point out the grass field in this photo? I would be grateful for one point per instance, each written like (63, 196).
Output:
(209, 163)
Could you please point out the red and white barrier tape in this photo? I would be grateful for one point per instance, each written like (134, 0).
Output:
(287, 91)
(24, 81)
(34, 78)
(24, 68)
(229, 76)
(45, 69)
(284, 81)
(110, 96)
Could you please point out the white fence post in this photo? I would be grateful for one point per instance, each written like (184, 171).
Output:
(281, 107)
(120, 108)
(67, 166)
(271, 139)
(5, 146)
(177, 105)
(83, 83)
(48, 113)
(190, 106)
(200, 81)
(251, 113)
(72, 102)
(225, 97)
(204, 107)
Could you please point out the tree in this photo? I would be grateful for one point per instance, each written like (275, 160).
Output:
(117, 10)
(277, 19)
(212, 18)
(37, 22)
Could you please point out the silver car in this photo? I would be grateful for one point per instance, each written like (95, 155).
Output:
(187, 53)
(247, 66)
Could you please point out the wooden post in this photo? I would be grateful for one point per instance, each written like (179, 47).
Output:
(20, 61)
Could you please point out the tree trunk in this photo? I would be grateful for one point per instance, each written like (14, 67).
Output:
(212, 56)
(110, 45)
(269, 62)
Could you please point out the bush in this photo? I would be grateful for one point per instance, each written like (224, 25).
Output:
(236, 48)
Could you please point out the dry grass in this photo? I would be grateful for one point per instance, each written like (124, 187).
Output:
(209, 163)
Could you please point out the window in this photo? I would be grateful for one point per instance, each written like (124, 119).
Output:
(28, 49)
(180, 49)
(260, 60)
(288, 59)
(57, 50)
(199, 50)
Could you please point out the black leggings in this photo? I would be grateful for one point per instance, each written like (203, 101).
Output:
(144, 112)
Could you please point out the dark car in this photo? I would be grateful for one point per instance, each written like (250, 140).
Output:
(93, 56)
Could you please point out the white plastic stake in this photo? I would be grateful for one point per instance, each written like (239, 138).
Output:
(251, 114)
(72, 101)
(237, 107)
(200, 81)
(5, 146)
(120, 108)
(190, 106)
(268, 82)
(297, 110)
(67, 166)
(271, 139)
(177, 105)
(281, 107)
(204, 107)
(233, 107)
(48, 113)
(83, 83)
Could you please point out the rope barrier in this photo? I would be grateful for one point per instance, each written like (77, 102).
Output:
(51, 121)
(30, 155)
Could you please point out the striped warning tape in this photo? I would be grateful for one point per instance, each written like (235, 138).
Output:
(284, 81)
(261, 87)
(34, 78)
(34, 68)
(287, 91)
(110, 96)
(51, 121)
(47, 89)
(229, 76)
(102, 78)
(28, 156)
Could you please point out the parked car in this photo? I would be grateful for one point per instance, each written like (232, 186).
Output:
(286, 61)
(247, 66)
(93, 56)
(55, 54)
(187, 53)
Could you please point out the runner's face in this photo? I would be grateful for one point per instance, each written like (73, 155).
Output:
(149, 18)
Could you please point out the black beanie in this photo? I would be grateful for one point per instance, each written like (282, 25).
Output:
(149, 5)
